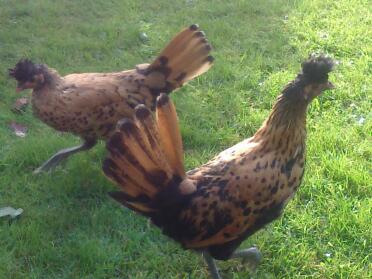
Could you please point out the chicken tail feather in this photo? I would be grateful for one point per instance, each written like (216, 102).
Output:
(184, 58)
(145, 156)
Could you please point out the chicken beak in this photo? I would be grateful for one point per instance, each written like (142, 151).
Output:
(330, 85)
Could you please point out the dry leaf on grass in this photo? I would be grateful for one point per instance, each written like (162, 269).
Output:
(18, 129)
(10, 211)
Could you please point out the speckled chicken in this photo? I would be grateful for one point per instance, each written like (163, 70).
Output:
(90, 104)
(216, 206)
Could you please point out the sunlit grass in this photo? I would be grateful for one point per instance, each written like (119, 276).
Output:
(71, 229)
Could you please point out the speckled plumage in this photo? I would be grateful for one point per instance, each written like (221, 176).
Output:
(90, 104)
(216, 206)
(233, 191)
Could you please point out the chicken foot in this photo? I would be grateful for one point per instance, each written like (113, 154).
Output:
(63, 154)
(252, 255)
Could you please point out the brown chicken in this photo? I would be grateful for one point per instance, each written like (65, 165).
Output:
(215, 207)
(90, 104)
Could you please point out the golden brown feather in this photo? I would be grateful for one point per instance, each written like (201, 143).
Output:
(219, 204)
(90, 104)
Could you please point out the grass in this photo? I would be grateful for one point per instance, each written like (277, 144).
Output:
(71, 229)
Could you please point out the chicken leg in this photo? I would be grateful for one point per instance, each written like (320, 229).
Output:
(252, 255)
(213, 270)
(63, 154)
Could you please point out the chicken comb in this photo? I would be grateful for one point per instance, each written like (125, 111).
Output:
(24, 70)
(316, 68)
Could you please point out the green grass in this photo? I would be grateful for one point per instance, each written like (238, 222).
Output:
(71, 229)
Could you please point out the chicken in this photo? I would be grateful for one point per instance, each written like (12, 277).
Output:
(90, 104)
(216, 206)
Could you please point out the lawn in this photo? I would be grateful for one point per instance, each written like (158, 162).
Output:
(70, 228)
